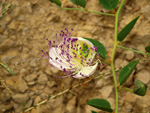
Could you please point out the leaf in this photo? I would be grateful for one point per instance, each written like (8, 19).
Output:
(7, 68)
(74, 2)
(93, 112)
(126, 30)
(57, 2)
(81, 3)
(101, 49)
(147, 48)
(100, 104)
(139, 88)
(126, 71)
(109, 4)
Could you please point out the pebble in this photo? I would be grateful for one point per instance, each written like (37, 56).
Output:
(13, 25)
(37, 100)
(20, 98)
(42, 79)
(129, 97)
(106, 91)
(71, 105)
(143, 75)
(31, 77)
(129, 55)
(99, 83)
(21, 85)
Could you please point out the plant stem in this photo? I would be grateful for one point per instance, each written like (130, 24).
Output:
(90, 11)
(113, 54)
(132, 50)
(125, 88)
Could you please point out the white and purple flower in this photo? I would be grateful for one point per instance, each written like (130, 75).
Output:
(73, 55)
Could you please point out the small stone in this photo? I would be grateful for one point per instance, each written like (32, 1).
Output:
(118, 62)
(21, 85)
(112, 102)
(31, 83)
(37, 100)
(99, 83)
(10, 82)
(7, 19)
(48, 71)
(129, 97)
(54, 70)
(13, 25)
(71, 105)
(31, 77)
(5, 95)
(20, 98)
(51, 83)
(129, 55)
(29, 103)
(31, 94)
(47, 90)
(42, 79)
(33, 63)
(143, 75)
(106, 91)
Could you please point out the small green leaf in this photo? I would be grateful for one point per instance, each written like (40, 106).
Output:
(93, 112)
(74, 2)
(100, 104)
(10, 6)
(126, 30)
(147, 48)
(57, 2)
(49, 96)
(109, 4)
(81, 3)
(139, 88)
(35, 106)
(101, 49)
(6, 67)
(126, 71)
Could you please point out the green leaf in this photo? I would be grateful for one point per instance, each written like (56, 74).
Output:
(147, 48)
(7, 68)
(139, 88)
(126, 30)
(81, 3)
(109, 4)
(100, 104)
(93, 112)
(101, 49)
(126, 71)
(57, 2)
(74, 2)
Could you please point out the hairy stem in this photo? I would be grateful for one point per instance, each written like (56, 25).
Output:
(113, 55)
(144, 53)
(107, 14)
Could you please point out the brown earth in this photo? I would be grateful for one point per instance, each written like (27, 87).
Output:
(23, 33)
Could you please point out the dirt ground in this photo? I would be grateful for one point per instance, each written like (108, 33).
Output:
(23, 33)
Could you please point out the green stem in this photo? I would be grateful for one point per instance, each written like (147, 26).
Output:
(90, 11)
(125, 88)
(113, 54)
(132, 50)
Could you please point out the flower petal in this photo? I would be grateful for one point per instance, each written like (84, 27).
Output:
(92, 53)
(58, 61)
(86, 71)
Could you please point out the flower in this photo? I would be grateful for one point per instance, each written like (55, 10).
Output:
(73, 55)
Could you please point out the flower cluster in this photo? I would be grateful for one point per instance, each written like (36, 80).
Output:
(73, 55)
